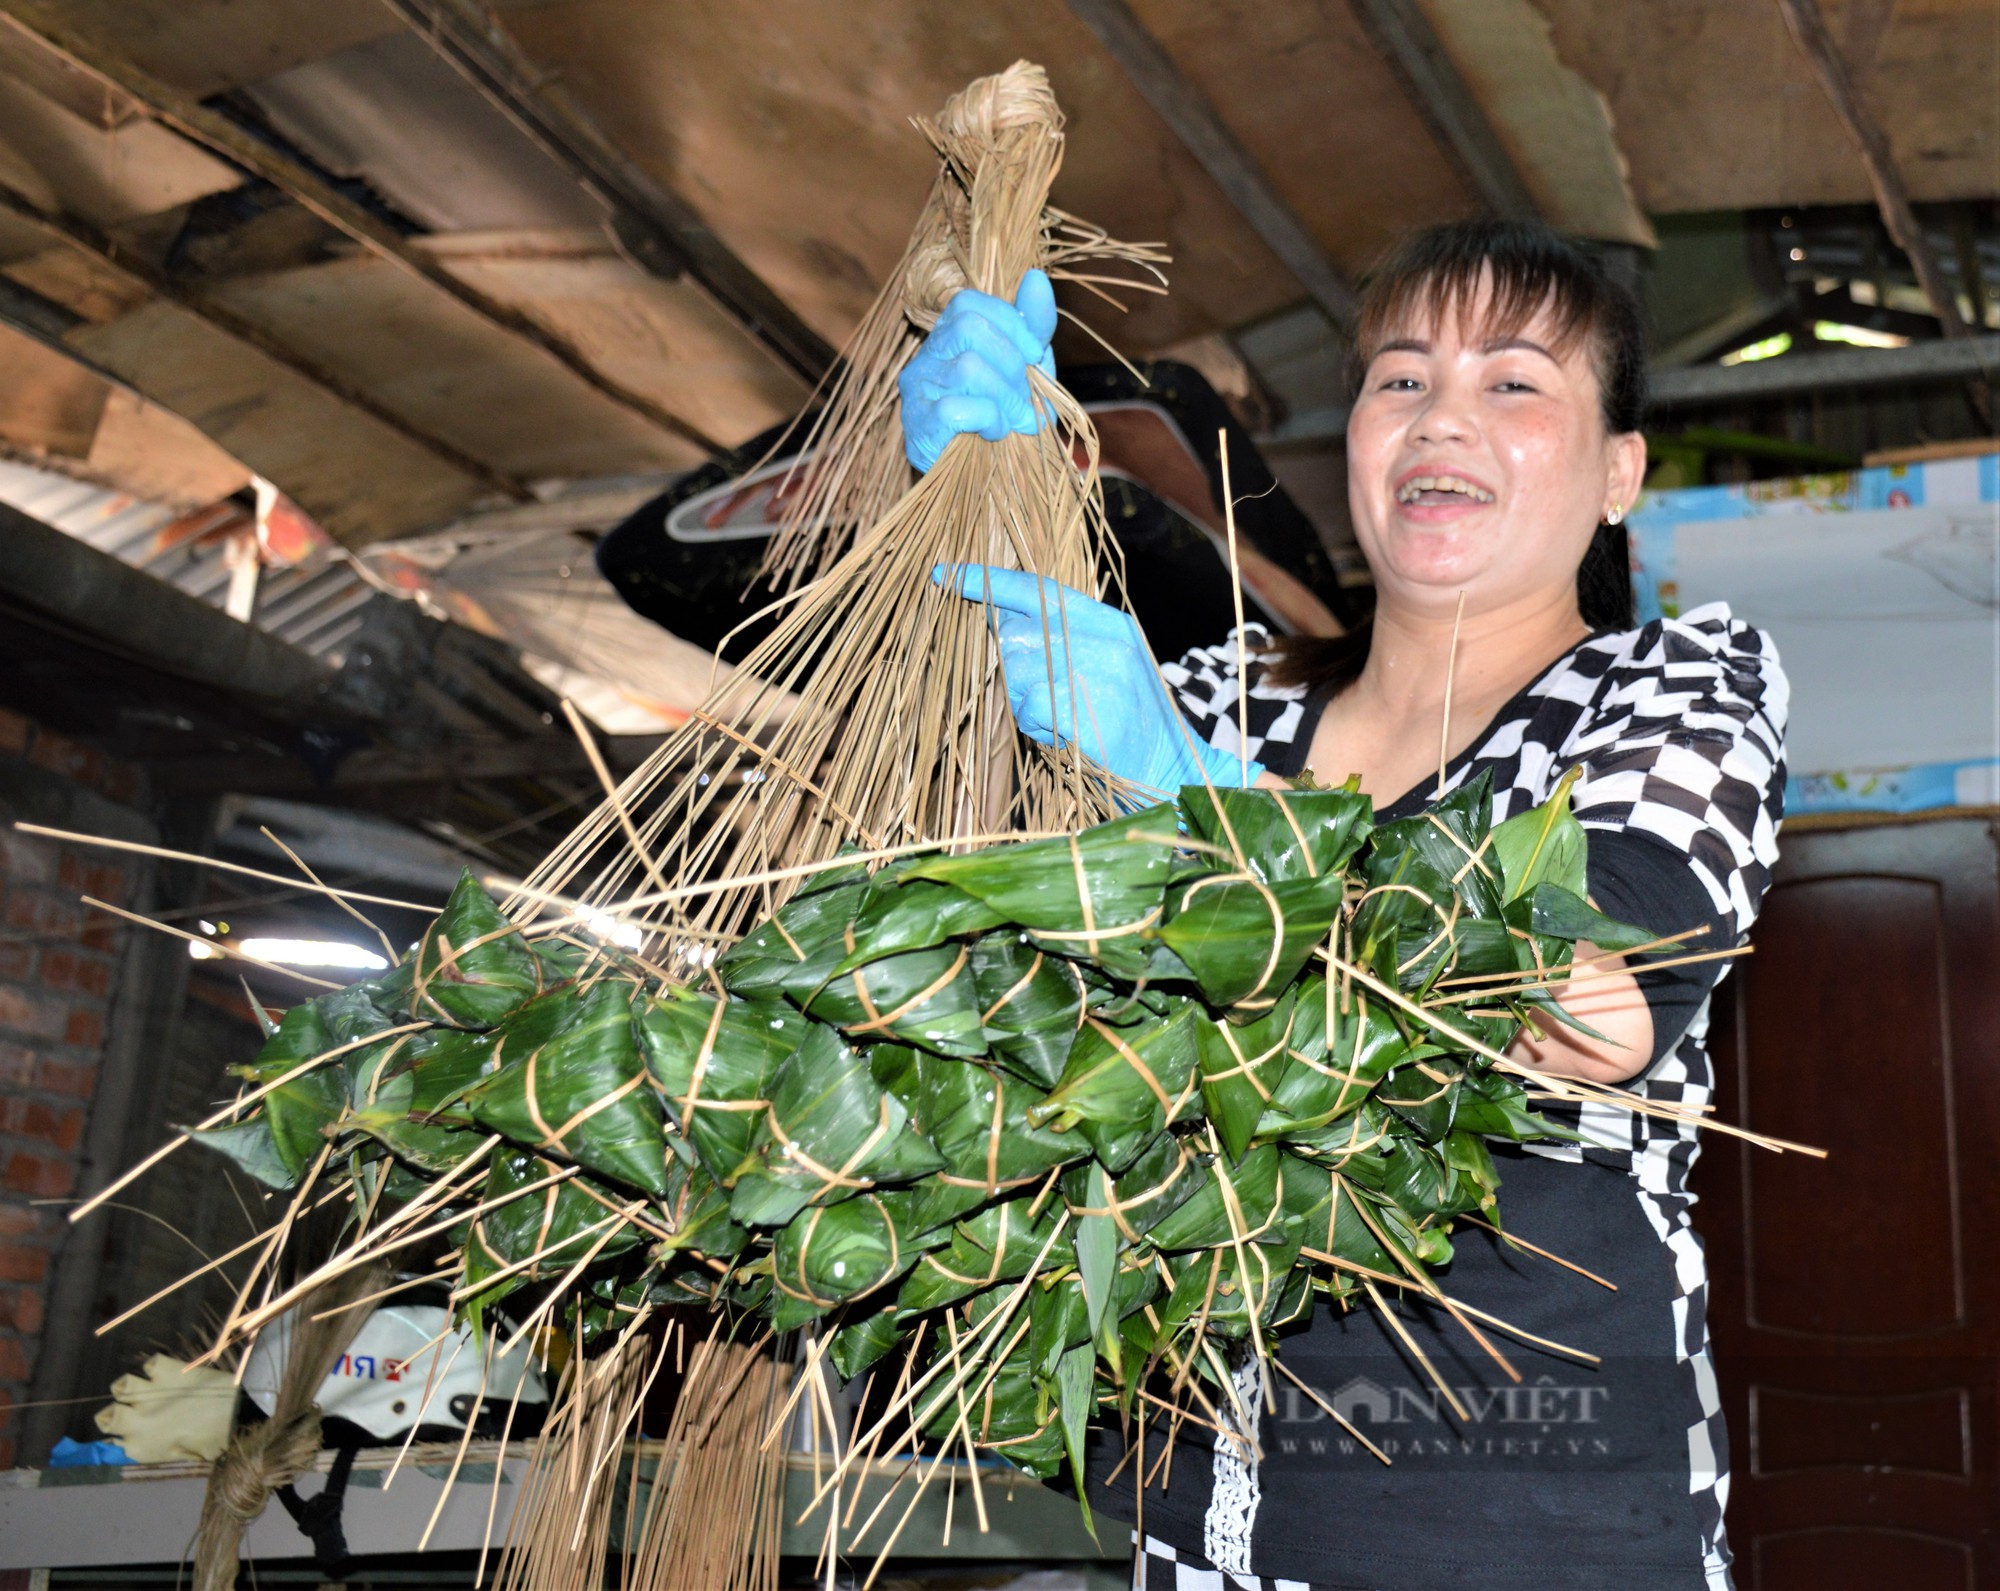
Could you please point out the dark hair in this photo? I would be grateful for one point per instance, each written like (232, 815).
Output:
(1439, 272)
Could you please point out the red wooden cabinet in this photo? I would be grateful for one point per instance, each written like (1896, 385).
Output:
(1855, 1301)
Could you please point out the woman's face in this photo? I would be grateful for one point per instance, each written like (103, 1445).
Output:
(1482, 465)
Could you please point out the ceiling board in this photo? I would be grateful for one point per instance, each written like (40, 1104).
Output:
(210, 46)
(142, 449)
(358, 478)
(60, 161)
(48, 404)
(667, 340)
(1304, 89)
(1716, 109)
(786, 124)
(1555, 124)
(449, 372)
(83, 285)
(396, 114)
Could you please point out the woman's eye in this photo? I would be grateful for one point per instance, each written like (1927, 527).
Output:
(1401, 384)
(1511, 384)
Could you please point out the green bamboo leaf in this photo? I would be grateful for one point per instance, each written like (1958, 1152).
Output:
(1008, 1418)
(1494, 1105)
(1551, 910)
(1162, 1175)
(921, 997)
(1076, 1400)
(1282, 835)
(428, 1145)
(901, 913)
(830, 1253)
(977, 1117)
(1242, 1067)
(796, 951)
(1216, 1287)
(473, 967)
(831, 1131)
(1542, 845)
(405, 1094)
(544, 1232)
(712, 1060)
(1323, 1203)
(1123, 1084)
(697, 1210)
(300, 1112)
(1093, 896)
(1096, 1248)
(1466, 1153)
(571, 1080)
(1329, 1075)
(1030, 1001)
(1423, 1180)
(1423, 1096)
(251, 1145)
(1447, 840)
(863, 1340)
(1228, 1202)
(1059, 1315)
(566, 960)
(1244, 940)
(1058, 1320)
(996, 1244)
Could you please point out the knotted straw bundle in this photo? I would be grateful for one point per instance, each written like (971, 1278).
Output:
(874, 715)
(986, 224)
(261, 1458)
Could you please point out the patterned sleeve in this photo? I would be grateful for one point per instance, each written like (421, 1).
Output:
(1205, 681)
(1685, 746)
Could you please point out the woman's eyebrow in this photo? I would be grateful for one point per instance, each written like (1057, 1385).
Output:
(1502, 344)
(1403, 345)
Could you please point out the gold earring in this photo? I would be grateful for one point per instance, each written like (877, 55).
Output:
(1616, 516)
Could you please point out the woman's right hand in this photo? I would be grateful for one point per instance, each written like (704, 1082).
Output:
(1079, 674)
(971, 373)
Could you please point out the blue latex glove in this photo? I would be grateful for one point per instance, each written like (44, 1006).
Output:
(1104, 694)
(971, 374)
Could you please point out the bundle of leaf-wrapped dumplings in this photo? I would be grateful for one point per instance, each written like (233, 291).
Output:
(1079, 1110)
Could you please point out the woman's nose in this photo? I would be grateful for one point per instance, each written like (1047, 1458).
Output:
(1447, 417)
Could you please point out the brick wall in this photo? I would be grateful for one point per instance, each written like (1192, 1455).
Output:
(58, 967)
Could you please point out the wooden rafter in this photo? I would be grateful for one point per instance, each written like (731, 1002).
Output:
(1892, 195)
(224, 138)
(1235, 171)
(1406, 36)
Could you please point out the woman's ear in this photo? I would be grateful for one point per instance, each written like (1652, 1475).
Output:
(1627, 473)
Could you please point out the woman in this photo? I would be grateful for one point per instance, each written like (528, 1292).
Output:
(1492, 449)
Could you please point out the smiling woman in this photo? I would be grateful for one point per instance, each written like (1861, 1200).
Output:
(1493, 448)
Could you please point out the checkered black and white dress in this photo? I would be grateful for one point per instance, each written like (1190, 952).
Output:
(1578, 1476)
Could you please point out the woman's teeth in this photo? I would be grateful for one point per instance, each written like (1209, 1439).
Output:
(1435, 489)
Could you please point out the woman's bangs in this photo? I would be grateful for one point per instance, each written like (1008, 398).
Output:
(1453, 291)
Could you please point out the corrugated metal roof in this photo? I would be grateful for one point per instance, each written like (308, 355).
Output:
(314, 602)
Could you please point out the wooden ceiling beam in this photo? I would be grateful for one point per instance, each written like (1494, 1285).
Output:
(1234, 170)
(1937, 360)
(87, 240)
(657, 229)
(38, 21)
(1892, 195)
(1405, 35)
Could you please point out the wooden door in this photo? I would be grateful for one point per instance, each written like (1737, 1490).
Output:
(1855, 1301)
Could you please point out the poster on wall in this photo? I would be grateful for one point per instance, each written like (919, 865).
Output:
(1881, 588)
